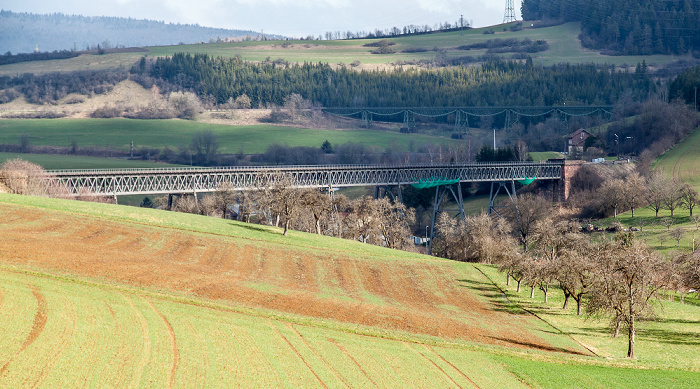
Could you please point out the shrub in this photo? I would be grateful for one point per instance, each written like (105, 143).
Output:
(185, 104)
(23, 177)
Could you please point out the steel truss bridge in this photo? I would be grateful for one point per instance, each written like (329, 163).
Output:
(461, 114)
(445, 178)
(195, 179)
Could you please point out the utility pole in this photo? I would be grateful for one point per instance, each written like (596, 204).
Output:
(461, 26)
(509, 15)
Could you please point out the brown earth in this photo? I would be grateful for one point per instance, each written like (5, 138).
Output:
(423, 297)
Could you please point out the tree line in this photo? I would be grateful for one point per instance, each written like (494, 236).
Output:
(22, 32)
(620, 280)
(630, 27)
(494, 83)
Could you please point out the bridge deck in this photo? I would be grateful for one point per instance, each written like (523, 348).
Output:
(198, 179)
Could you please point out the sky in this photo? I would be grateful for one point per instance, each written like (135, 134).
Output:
(292, 18)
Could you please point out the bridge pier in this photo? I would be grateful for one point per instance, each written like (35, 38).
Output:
(389, 190)
(494, 193)
(440, 192)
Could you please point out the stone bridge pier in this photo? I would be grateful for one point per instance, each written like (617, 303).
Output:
(562, 187)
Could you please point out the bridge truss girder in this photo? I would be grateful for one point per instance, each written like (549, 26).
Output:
(193, 180)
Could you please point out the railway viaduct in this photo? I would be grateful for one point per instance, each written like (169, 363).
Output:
(445, 178)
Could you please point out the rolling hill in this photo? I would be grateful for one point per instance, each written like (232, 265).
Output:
(564, 46)
(110, 295)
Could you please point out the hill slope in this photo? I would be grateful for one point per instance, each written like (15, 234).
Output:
(24, 32)
(164, 299)
(683, 160)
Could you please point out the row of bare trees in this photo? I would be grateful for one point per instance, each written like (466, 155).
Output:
(280, 202)
(632, 191)
(621, 279)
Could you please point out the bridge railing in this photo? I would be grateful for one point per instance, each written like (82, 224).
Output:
(194, 169)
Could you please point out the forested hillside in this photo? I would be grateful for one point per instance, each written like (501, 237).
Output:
(24, 32)
(630, 27)
(495, 83)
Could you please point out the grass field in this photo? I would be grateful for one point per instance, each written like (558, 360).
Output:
(562, 39)
(683, 161)
(118, 133)
(53, 162)
(538, 156)
(240, 305)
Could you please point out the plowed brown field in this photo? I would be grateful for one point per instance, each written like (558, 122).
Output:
(424, 296)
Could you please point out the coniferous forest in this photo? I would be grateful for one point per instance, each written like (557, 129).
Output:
(495, 83)
(629, 27)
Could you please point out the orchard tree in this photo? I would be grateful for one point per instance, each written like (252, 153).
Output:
(689, 198)
(613, 195)
(634, 192)
(657, 187)
(525, 212)
(673, 196)
(627, 281)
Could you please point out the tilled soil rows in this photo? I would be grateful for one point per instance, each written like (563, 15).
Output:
(423, 297)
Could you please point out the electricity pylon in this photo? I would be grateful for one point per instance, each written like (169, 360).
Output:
(509, 15)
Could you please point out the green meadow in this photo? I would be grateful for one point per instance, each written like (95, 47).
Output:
(119, 133)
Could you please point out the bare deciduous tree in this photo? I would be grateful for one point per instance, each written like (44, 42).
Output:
(677, 234)
(284, 198)
(477, 238)
(204, 148)
(628, 279)
(635, 192)
(527, 210)
(657, 186)
(223, 196)
(689, 198)
(613, 195)
(318, 205)
(23, 177)
(674, 196)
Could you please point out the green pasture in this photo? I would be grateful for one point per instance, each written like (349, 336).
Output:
(669, 342)
(538, 156)
(119, 133)
(683, 160)
(653, 230)
(122, 61)
(565, 47)
(54, 162)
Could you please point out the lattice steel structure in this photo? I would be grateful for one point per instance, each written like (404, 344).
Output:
(509, 15)
(367, 114)
(194, 180)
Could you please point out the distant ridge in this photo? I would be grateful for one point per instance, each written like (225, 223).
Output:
(25, 32)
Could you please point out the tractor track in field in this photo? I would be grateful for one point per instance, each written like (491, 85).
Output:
(359, 366)
(419, 297)
(435, 365)
(313, 350)
(38, 325)
(452, 366)
(279, 333)
(173, 343)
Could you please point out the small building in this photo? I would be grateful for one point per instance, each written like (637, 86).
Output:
(576, 141)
